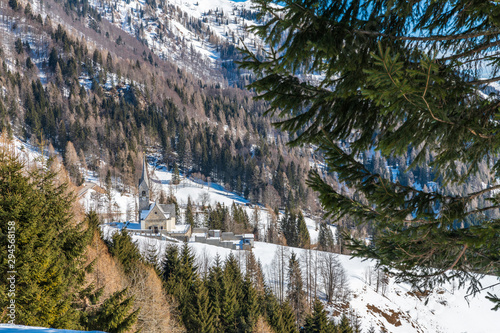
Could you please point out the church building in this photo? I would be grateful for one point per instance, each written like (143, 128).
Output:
(155, 216)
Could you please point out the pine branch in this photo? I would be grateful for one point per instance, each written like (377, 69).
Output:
(470, 52)
(435, 38)
(480, 82)
(479, 193)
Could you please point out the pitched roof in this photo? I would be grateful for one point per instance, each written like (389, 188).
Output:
(168, 209)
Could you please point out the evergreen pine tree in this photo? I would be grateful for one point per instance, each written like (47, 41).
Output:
(176, 175)
(325, 238)
(231, 294)
(189, 213)
(273, 311)
(215, 286)
(318, 322)
(124, 249)
(288, 318)
(232, 269)
(14, 4)
(289, 228)
(382, 91)
(254, 272)
(201, 317)
(295, 294)
(113, 315)
(303, 234)
(151, 255)
(250, 306)
(188, 267)
(344, 325)
(229, 306)
(186, 278)
(53, 57)
(171, 267)
(49, 245)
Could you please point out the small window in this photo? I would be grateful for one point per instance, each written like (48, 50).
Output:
(143, 193)
(156, 213)
(161, 228)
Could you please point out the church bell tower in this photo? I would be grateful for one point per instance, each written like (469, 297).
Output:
(144, 188)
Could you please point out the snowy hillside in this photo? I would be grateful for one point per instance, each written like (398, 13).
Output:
(199, 36)
(397, 309)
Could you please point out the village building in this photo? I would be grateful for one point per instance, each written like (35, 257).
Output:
(156, 217)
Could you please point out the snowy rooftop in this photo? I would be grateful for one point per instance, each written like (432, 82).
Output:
(121, 225)
(145, 213)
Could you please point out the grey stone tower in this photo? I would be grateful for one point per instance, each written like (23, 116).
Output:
(144, 188)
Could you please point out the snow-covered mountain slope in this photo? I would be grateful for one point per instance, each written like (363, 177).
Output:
(199, 36)
(395, 308)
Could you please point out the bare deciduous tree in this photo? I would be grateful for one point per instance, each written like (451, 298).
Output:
(333, 277)
(278, 272)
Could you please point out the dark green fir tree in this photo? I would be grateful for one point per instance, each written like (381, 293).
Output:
(215, 291)
(48, 248)
(398, 76)
(303, 234)
(344, 326)
(50, 252)
(325, 238)
(189, 216)
(230, 306)
(288, 318)
(176, 178)
(250, 306)
(318, 322)
(201, 317)
(124, 249)
(14, 4)
(114, 315)
(171, 268)
(295, 293)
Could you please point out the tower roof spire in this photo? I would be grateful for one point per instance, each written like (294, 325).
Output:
(144, 175)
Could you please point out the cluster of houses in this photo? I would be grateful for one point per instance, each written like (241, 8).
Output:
(160, 219)
(223, 239)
